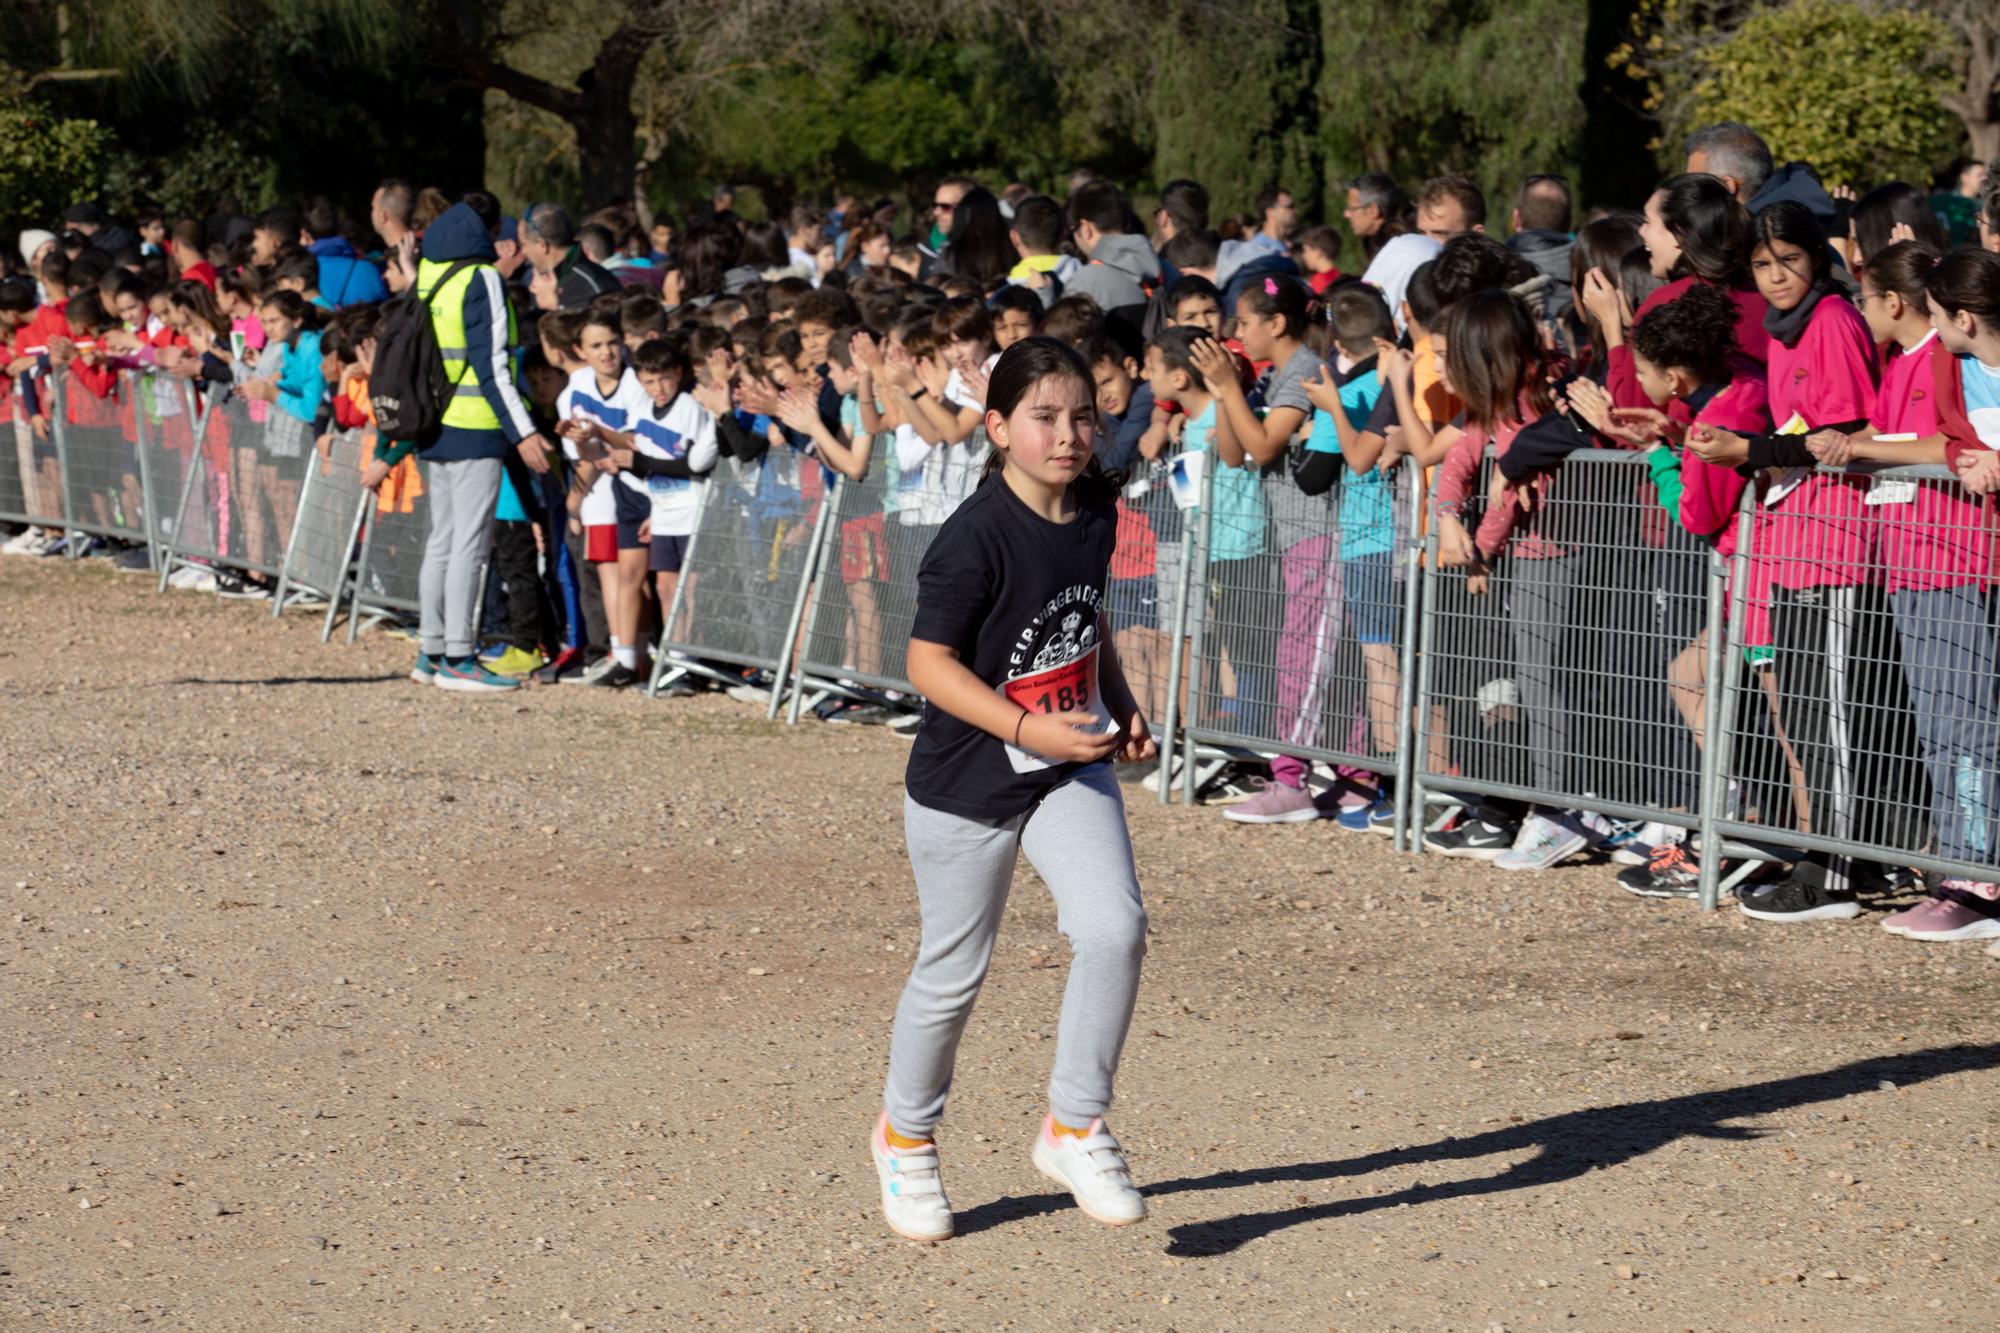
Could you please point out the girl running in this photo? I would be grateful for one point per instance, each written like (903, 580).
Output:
(1026, 703)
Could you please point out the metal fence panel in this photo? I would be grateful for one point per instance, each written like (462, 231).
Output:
(322, 541)
(1862, 671)
(1574, 677)
(238, 506)
(390, 565)
(17, 465)
(1304, 599)
(864, 600)
(100, 456)
(169, 435)
(738, 600)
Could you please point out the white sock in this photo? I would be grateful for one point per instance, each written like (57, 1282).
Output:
(625, 655)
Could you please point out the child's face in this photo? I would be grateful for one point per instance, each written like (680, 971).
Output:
(875, 251)
(329, 368)
(1784, 273)
(600, 349)
(157, 303)
(663, 236)
(964, 353)
(1200, 312)
(1655, 380)
(1437, 362)
(132, 310)
(1010, 326)
(1159, 377)
(1258, 332)
(276, 327)
(153, 232)
(780, 372)
(1048, 435)
(814, 336)
(1955, 331)
(1317, 260)
(843, 378)
(1881, 311)
(1113, 381)
(553, 354)
(662, 385)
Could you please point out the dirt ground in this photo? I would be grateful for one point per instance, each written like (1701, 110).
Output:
(332, 1002)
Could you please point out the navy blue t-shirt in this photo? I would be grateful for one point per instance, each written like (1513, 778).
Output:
(1018, 597)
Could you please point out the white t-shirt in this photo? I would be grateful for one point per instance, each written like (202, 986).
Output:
(617, 411)
(913, 458)
(955, 392)
(683, 429)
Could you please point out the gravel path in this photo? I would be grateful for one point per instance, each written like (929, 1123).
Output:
(333, 1002)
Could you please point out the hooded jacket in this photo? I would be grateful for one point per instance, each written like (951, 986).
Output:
(1119, 271)
(1549, 252)
(344, 277)
(459, 234)
(1794, 181)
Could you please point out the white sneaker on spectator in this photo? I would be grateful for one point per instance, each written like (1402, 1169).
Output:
(1543, 842)
(1151, 782)
(1093, 1170)
(913, 1197)
(750, 694)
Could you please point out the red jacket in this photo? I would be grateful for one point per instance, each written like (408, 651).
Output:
(1959, 436)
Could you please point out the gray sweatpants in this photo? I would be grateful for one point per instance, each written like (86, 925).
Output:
(461, 496)
(1077, 840)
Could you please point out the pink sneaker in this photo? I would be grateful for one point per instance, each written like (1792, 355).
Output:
(1899, 923)
(1953, 919)
(1276, 804)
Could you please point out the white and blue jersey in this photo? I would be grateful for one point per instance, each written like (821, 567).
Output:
(617, 411)
(683, 431)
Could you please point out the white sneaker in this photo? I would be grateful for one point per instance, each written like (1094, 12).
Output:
(747, 693)
(913, 1198)
(1093, 1170)
(1648, 838)
(1542, 844)
(24, 542)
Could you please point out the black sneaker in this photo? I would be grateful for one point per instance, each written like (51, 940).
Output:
(1672, 873)
(138, 560)
(677, 689)
(619, 677)
(866, 715)
(907, 725)
(1472, 840)
(1803, 897)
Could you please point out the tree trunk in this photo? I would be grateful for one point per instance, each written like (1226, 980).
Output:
(606, 148)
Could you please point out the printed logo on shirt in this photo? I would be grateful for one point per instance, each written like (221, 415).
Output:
(1799, 374)
(669, 442)
(1052, 667)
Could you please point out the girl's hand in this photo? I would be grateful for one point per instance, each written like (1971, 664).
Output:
(757, 396)
(1978, 471)
(975, 381)
(1137, 744)
(618, 459)
(1393, 364)
(1478, 582)
(1589, 401)
(262, 390)
(374, 474)
(1711, 444)
(1069, 737)
(799, 411)
(1640, 425)
(866, 352)
(646, 532)
(1454, 543)
(1392, 453)
(1604, 301)
(713, 397)
(1831, 447)
(932, 374)
(1325, 394)
(1217, 366)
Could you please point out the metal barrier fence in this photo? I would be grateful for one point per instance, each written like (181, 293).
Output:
(1569, 676)
(1297, 619)
(241, 496)
(102, 464)
(396, 525)
(748, 569)
(321, 547)
(1865, 639)
(864, 600)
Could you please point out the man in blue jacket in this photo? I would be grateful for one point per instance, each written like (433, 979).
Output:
(345, 278)
(463, 461)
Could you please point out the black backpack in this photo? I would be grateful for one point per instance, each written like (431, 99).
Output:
(408, 386)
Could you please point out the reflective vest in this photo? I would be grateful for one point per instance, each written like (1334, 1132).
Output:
(468, 408)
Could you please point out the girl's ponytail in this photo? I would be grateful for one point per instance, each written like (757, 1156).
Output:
(1903, 268)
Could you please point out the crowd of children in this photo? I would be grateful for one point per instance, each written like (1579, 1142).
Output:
(1743, 340)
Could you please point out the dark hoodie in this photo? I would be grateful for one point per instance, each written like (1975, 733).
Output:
(1548, 251)
(1794, 181)
(489, 337)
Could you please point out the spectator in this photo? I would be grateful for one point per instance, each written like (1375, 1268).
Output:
(1121, 266)
(344, 277)
(1279, 214)
(87, 219)
(389, 212)
(1375, 211)
(944, 203)
(549, 240)
(1450, 206)
(979, 248)
(187, 254)
(1540, 235)
(1739, 155)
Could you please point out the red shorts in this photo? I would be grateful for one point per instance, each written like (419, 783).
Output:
(600, 543)
(864, 554)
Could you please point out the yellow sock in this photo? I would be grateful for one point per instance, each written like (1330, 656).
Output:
(898, 1141)
(1060, 1128)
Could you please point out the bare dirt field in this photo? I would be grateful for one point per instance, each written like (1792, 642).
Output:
(333, 1002)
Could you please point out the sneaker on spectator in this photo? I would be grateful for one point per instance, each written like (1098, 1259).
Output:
(517, 662)
(1151, 782)
(56, 544)
(1382, 817)
(138, 560)
(1361, 818)
(234, 587)
(1899, 923)
(1672, 873)
(677, 688)
(1275, 803)
(1229, 786)
(1802, 896)
(619, 677)
(567, 661)
(747, 693)
(1546, 841)
(913, 1198)
(28, 541)
(1956, 917)
(469, 677)
(862, 715)
(1474, 839)
(1633, 844)
(907, 725)
(589, 675)
(1093, 1170)
(426, 670)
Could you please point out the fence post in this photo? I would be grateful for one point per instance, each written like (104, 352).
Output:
(345, 584)
(795, 704)
(313, 464)
(673, 611)
(1408, 833)
(786, 668)
(196, 465)
(1713, 784)
(1426, 666)
(1177, 640)
(1199, 588)
(361, 567)
(145, 472)
(1722, 741)
(59, 432)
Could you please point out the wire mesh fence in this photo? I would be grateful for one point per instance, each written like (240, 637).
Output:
(239, 502)
(389, 568)
(749, 567)
(864, 598)
(169, 435)
(96, 418)
(1565, 642)
(31, 489)
(322, 542)
(1863, 676)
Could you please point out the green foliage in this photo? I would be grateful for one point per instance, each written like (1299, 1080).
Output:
(1850, 88)
(47, 162)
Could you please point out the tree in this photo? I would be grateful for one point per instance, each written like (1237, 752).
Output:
(47, 162)
(1975, 57)
(1881, 117)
